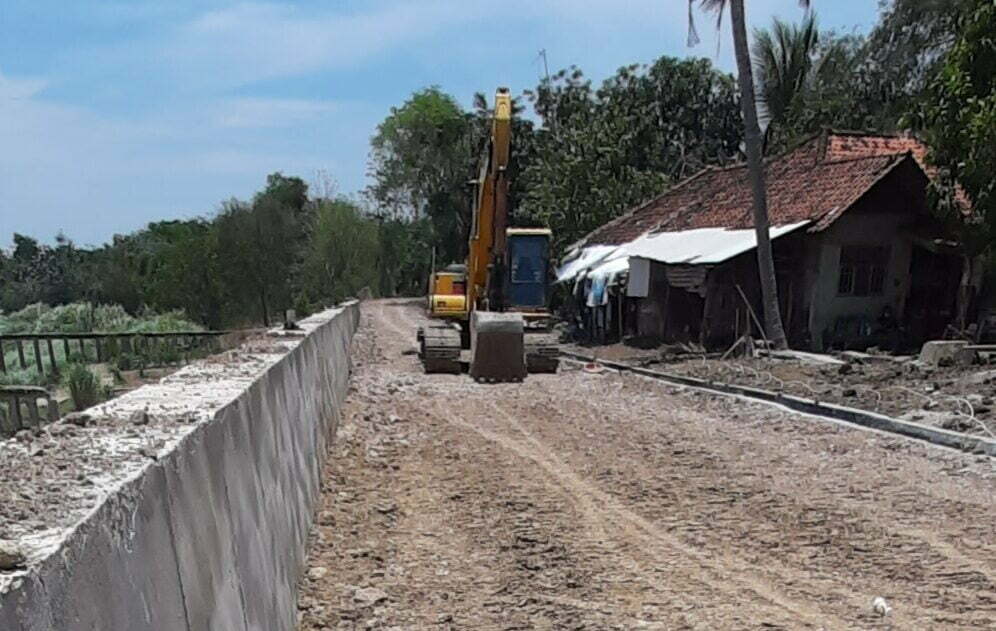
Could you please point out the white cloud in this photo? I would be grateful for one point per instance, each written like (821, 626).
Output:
(12, 89)
(261, 112)
(67, 168)
(256, 41)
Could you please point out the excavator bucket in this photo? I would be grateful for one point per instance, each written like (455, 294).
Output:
(497, 346)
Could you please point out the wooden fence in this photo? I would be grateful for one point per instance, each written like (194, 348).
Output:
(34, 348)
(19, 408)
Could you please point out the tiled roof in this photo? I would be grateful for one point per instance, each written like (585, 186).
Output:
(816, 181)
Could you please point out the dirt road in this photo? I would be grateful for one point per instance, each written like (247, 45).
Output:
(604, 501)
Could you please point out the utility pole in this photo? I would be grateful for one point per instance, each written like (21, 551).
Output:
(546, 73)
(546, 69)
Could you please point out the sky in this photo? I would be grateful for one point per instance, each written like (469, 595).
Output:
(121, 112)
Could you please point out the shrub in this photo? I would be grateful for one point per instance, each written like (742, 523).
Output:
(84, 387)
(25, 377)
(84, 317)
(128, 361)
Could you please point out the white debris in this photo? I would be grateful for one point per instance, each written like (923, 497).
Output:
(881, 607)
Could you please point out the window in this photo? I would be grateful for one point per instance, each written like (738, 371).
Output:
(528, 254)
(862, 270)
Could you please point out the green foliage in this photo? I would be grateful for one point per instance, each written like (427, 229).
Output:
(85, 317)
(784, 57)
(40, 273)
(82, 317)
(22, 377)
(421, 159)
(342, 253)
(600, 152)
(84, 386)
(809, 80)
(904, 52)
(958, 121)
(406, 256)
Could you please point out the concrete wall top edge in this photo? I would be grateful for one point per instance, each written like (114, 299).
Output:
(55, 480)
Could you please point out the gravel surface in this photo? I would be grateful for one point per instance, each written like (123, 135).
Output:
(608, 501)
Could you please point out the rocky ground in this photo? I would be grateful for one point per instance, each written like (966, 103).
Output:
(959, 398)
(608, 501)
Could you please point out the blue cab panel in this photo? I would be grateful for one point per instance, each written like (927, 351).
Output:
(528, 270)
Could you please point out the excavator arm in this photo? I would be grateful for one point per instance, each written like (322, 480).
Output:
(486, 247)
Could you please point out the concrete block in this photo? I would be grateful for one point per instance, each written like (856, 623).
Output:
(946, 352)
(202, 531)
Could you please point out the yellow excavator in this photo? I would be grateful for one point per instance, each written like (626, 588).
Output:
(497, 305)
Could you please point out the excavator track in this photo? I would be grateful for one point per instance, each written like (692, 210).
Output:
(439, 349)
(542, 352)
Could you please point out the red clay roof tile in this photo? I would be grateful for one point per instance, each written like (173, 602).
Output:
(816, 181)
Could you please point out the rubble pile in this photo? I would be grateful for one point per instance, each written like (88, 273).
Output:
(958, 398)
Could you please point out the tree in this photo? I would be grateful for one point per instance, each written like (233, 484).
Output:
(183, 273)
(958, 122)
(904, 52)
(342, 254)
(405, 255)
(810, 80)
(784, 59)
(422, 157)
(601, 151)
(755, 167)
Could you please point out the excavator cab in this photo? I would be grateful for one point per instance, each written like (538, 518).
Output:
(527, 283)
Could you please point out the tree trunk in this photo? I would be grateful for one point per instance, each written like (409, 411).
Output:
(264, 307)
(971, 269)
(755, 167)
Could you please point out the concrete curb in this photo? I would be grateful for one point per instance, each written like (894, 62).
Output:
(212, 534)
(863, 418)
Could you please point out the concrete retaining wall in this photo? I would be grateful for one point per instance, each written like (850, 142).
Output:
(212, 535)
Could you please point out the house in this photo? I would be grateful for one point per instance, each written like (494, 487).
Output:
(859, 258)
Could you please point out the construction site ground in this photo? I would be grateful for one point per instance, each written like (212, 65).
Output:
(609, 501)
(960, 398)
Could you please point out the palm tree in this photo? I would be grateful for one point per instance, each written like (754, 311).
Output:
(784, 61)
(753, 142)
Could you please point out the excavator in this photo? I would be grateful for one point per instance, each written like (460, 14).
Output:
(497, 304)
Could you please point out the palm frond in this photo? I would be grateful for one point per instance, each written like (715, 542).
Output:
(707, 5)
(783, 60)
(719, 6)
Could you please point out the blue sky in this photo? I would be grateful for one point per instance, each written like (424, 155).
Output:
(117, 113)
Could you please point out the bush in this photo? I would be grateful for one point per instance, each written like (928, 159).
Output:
(128, 361)
(84, 387)
(85, 317)
(25, 377)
